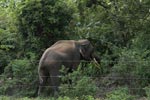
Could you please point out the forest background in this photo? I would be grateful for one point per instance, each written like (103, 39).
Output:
(118, 29)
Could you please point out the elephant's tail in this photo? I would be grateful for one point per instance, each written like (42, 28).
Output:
(40, 70)
(40, 79)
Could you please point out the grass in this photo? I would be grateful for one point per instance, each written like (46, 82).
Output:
(48, 98)
(23, 98)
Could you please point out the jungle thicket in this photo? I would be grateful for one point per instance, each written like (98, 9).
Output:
(118, 29)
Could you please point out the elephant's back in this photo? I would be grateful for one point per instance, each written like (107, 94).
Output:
(63, 46)
(59, 52)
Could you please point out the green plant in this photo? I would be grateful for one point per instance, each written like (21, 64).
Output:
(119, 94)
(44, 19)
(147, 90)
(133, 67)
(64, 98)
(8, 43)
(20, 75)
(81, 86)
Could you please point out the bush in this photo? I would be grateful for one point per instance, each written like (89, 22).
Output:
(133, 69)
(44, 19)
(8, 43)
(147, 90)
(81, 86)
(119, 94)
(46, 98)
(87, 97)
(20, 77)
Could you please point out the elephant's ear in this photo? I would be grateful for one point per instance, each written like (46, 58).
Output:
(84, 44)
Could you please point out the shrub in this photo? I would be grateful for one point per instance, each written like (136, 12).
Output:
(133, 68)
(81, 86)
(47, 19)
(8, 43)
(20, 77)
(119, 94)
(147, 90)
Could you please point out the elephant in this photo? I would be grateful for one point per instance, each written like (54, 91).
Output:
(66, 53)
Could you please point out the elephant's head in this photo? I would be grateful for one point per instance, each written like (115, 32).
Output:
(86, 49)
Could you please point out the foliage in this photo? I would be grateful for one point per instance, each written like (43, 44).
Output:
(79, 85)
(119, 94)
(42, 18)
(141, 42)
(118, 29)
(51, 98)
(147, 89)
(20, 76)
(133, 68)
(8, 40)
(8, 43)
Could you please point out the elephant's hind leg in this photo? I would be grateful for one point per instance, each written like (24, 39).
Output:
(43, 77)
(55, 81)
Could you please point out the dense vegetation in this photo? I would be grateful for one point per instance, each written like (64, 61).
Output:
(118, 29)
